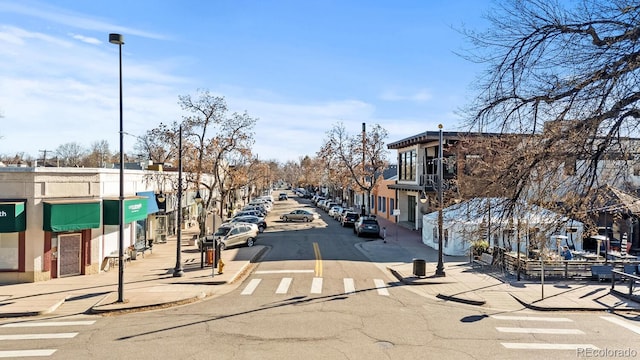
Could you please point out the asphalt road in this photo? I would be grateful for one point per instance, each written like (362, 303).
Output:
(315, 296)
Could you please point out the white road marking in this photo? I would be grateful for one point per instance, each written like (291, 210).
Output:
(547, 346)
(284, 286)
(624, 324)
(49, 323)
(316, 285)
(25, 353)
(38, 336)
(251, 287)
(382, 287)
(349, 286)
(531, 318)
(283, 272)
(539, 331)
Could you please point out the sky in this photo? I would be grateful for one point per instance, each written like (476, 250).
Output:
(299, 67)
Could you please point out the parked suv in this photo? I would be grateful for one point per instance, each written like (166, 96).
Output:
(349, 218)
(366, 225)
(233, 234)
(283, 196)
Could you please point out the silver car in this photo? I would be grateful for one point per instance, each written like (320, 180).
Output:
(300, 214)
(235, 234)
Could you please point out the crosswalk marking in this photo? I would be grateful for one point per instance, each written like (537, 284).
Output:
(49, 323)
(624, 324)
(547, 346)
(539, 331)
(251, 287)
(349, 286)
(284, 286)
(381, 286)
(316, 285)
(38, 336)
(26, 353)
(530, 318)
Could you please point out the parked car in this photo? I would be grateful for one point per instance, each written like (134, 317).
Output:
(283, 196)
(349, 218)
(247, 212)
(258, 220)
(366, 225)
(334, 210)
(300, 214)
(235, 234)
(257, 208)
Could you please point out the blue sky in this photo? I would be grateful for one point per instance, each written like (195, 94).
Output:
(300, 67)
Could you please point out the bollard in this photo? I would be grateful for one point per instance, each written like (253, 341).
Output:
(419, 267)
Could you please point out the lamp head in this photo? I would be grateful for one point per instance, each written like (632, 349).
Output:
(423, 197)
(198, 197)
(161, 198)
(116, 39)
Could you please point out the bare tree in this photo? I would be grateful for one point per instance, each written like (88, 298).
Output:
(99, 154)
(361, 156)
(568, 78)
(71, 154)
(159, 144)
(218, 143)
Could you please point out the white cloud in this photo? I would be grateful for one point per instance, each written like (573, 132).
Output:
(86, 39)
(422, 95)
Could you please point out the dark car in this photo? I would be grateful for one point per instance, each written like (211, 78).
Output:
(367, 225)
(253, 220)
(282, 196)
(349, 218)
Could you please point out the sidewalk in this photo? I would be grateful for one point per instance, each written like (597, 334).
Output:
(149, 282)
(465, 283)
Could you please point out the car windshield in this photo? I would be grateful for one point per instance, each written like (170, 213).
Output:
(222, 231)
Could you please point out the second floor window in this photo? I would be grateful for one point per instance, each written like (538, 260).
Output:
(408, 164)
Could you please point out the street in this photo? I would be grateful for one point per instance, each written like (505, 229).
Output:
(313, 295)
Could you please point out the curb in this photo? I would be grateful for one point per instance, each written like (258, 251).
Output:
(246, 268)
(531, 306)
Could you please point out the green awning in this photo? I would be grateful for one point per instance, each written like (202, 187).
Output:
(71, 215)
(135, 208)
(13, 217)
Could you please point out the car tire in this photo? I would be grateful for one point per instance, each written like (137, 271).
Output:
(260, 229)
(306, 219)
(223, 246)
(285, 219)
(250, 242)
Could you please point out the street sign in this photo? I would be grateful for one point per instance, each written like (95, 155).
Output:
(396, 212)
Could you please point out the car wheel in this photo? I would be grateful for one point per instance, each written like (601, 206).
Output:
(261, 229)
(285, 219)
(306, 219)
(223, 246)
(250, 242)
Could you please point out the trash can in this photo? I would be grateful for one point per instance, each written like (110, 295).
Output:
(418, 267)
(209, 256)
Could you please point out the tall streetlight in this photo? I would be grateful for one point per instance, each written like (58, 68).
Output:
(364, 178)
(119, 40)
(177, 271)
(440, 267)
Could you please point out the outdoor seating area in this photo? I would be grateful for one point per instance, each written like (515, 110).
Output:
(584, 265)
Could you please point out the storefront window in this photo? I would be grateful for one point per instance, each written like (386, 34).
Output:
(9, 251)
(141, 230)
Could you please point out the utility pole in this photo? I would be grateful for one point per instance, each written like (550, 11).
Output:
(44, 156)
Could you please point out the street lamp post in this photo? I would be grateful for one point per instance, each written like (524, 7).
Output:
(177, 271)
(363, 210)
(440, 266)
(119, 40)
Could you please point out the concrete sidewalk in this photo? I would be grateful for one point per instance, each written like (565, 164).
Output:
(149, 282)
